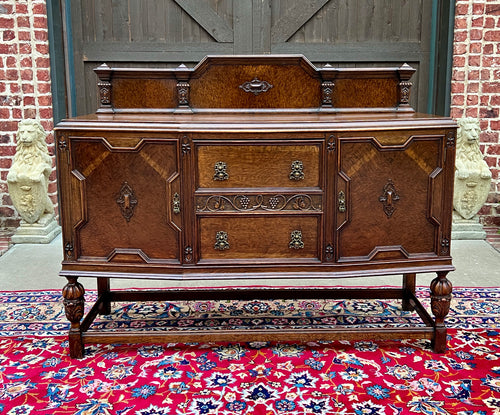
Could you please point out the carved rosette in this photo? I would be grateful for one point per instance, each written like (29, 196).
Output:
(183, 93)
(68, 249)
(188, 254)
(331, 143)
(441, 289)
(74, 301)
(451, 140)
(62, 145)
(445, 246)
(326, 93)
(329, 253)
(185, 146)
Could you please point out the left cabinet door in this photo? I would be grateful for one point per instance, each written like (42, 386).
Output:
(120, 198)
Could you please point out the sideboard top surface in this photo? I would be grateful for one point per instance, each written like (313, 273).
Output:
(185, 122)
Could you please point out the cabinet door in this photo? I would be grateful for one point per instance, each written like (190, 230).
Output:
(390, 196)
(126, 199)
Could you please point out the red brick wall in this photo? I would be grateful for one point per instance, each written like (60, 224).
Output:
(476, 84)
(24, 86)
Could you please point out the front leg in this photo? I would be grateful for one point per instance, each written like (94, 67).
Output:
(74, 302)
(441, 289)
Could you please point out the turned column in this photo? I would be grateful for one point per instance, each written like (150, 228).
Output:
(441, 289)
(74, 302)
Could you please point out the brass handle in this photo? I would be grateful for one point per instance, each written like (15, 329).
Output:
(297, 170)
(296, 240)
(341, 201)
(221, 241)
(176, 203)
(220, 171)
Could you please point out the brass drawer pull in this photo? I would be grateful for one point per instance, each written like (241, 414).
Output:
(341, 201)
(220, 171)
(297, 170)
(296, 240)
(176, 203)
(221, 242)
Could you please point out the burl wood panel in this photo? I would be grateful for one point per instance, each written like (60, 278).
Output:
(151, 172)
(258, 165)
(219, 87)
(144, 93)
(412, 227)
(365, 93)
(259, 236)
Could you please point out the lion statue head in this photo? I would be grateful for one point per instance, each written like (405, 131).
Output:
(31, 142)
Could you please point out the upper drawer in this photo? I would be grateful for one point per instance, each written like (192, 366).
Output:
(245, 165)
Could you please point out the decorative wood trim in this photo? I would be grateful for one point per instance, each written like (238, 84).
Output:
(329, 251)
(188, 254)
(326, 93)
(68, 250)
(331, 144)
(104, 86)
(405, 72)
(183, 93)
(127, 201)
(389, 198)
(249, 203)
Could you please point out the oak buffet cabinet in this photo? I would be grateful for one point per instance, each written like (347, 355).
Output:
(248, 167)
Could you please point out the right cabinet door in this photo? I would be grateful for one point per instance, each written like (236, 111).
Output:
(390, 190)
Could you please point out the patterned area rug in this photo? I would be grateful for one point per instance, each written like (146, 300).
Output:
(393, 377)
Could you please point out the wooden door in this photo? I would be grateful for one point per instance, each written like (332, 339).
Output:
(390, 196)
(170, 32)
(125, 193)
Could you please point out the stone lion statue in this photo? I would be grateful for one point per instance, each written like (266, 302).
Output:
(28, 178)
(469, 159)
(472, 174)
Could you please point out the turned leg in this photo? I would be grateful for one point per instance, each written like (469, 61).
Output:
(74, 303)
(441, 289)
(409, 285)
(103, 288)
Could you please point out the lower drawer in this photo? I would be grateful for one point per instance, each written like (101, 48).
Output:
(236, 237)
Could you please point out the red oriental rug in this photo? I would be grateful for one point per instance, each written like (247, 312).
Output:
(395, 377)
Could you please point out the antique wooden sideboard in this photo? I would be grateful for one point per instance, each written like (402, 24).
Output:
(248, 167)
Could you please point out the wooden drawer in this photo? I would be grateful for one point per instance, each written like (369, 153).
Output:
(249, 166)
(231, 237)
